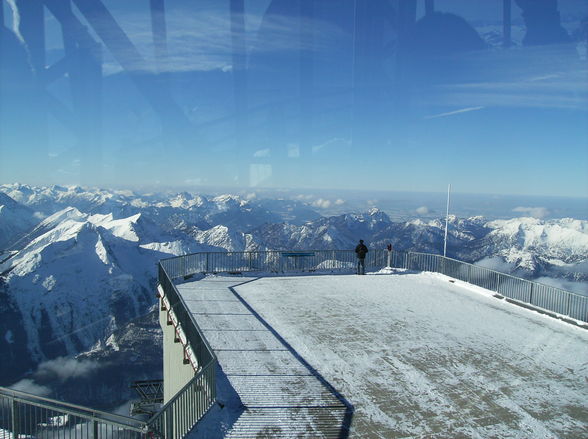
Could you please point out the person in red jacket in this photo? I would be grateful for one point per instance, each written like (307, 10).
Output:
(361, 250)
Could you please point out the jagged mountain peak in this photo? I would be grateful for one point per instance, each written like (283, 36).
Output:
(15, 220)
(6, 200)
(563, 238)
(221, 237)
(186, 200)
(69, 212)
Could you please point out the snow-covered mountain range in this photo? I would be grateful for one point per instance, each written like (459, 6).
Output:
(78, 264)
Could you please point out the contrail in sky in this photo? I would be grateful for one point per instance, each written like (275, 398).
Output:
(451, 113)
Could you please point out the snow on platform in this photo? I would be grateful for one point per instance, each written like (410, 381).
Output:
(416, 355)
(264, 388)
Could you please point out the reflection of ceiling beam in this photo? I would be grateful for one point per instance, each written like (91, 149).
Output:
(239, 74)
(55, 71)
(32, 28)
(406, 16)
(83, 64)
(429, 7)
(74, 31)
(159, 30)
(506, 18)
(62, 113)
(126, 54)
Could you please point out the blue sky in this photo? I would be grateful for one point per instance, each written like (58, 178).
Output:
(335, 99)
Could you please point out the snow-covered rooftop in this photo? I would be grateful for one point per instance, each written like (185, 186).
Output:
(415, 354)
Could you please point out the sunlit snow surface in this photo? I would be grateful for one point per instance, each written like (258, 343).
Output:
(419, 356)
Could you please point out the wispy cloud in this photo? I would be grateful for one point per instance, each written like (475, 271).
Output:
(15, 19)
(57, 370)
(61, 369)
(202, 40)
(539, 77)
(29, 386)
(335, 141)
(262, 153)
(565, 91)
(535, 212)
(452, 113)
(322, 203)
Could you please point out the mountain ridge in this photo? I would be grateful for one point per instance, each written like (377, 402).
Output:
(78, 276)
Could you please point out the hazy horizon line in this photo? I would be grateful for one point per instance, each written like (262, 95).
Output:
(216, 189)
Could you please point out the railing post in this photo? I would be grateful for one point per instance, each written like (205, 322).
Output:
(169, 430)
(531, 294)
(470, 275)
(15, 418)
(95, 429)
(250, 262)
(206, 268)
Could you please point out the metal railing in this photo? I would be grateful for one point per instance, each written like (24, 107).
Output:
(23, 415)
(539, 295)
(269, 262)
(189, 405)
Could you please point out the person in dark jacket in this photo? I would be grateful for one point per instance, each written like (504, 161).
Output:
(361, 250)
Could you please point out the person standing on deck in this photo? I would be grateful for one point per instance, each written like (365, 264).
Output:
(361, 250)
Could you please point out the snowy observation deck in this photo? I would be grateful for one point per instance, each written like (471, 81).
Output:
(401, 355)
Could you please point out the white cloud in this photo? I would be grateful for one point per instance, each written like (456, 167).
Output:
(293, 150)
(423, 210)
(321, 203)
(259, 173)
(523, 87)
(262, 153)
(548, 76)
(251, 196)
(29, 386)
(331, 142)
(62, 369)
(339, 202)
(451, 113)
(497, 264)
(304, 197)
(535, 212)
(575, 287)
(57, 370)
(15, 19)
(202, 40)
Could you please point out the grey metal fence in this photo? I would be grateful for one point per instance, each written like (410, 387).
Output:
(23, 415)
(269, 261)
(190, 404)
(187, 407)
(539, 295)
